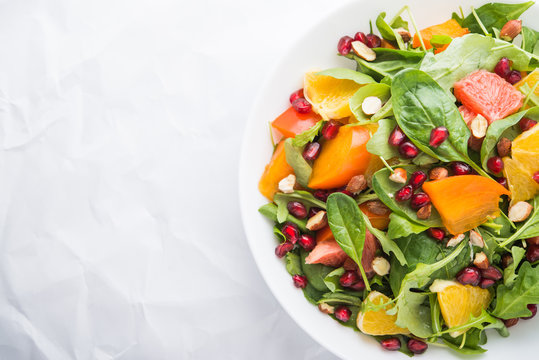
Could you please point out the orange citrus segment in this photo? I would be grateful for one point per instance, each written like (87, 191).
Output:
(378, 322)
(527, 83)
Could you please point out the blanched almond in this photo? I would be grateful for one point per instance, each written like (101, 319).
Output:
(479, 126)
(476, 239)
(455, 240)
(380, 266)
(371, 105)
(399, 176)
(363, 51)
(520, 211)
(481, 260)
(317, 221)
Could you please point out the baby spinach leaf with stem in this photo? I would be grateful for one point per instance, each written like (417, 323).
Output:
(270, 211)
(381, 91)
(305, 197)
(400, 227)
(308, 135)
(294, 157)
(530, 38)
(512, 302)
(378, 143)
(293, 266)
(332, 280)
(388, 32)
(388, 62)
(347, 74)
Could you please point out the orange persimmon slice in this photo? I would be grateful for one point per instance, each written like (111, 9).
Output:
(275, 171)
(379, 221)
(466, 201)
(291, 123)
(450, 28)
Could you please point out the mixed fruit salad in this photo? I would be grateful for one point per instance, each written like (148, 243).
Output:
(405, 193)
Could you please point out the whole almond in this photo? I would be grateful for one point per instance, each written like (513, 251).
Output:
(520, 211)
(356, 184)
(504, 147)
(317, 221)
(377, 207)
(438, 173)
(479, 126)
(424, 212)
(363, 51)
(481, 260)
(511, 29)
(405, 34)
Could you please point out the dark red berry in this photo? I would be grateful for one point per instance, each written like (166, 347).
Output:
(306, 241)
(438, 136)
(408, 150)
(436, 233)
(405, 193)
(360, 36)
(358, 286)
(314, 210)
(296, 95)
(346, 192)
(419, 200)
(282, 249)
(533, 309)
(321, 195)
(486, 283)
(417, 346)
(495, 164)
(373, 41)
(532, 254)
(396, 137)
(535, 177)
(491, 273)
(417, 179)
(349, 278)
(330, 129)
(510, 322)
(297, 209)
(460, 168)
(300, 281)
(311, 151)
(291, 232)
(469, 275)
(513, 77)
(302, 106)
(503, 67)
(391, 344)
(502, 181)
(526, 124)
(344, 45)
(343, 313)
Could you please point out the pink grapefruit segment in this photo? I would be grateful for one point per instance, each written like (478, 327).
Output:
(467, 114)
(488, 94)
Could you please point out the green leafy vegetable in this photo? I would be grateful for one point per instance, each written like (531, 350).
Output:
(529, 39)
(473, 338)
(388, 62)
(477, 323)
(305, 197)
(527, 230)
(381, 91)
(512, 302)
(388, 245)
(347, 74)
(340, 298)
(509, 273)
(270, 211)
(332, 279)
(438, 41)
(315, 273)
(294, 157)
(401, 227)
(388, 32)
(293, 266)
(378, 143)
(308, 135)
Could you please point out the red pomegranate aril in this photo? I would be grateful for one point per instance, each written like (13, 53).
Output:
(405, 193)
(460, 168)
(342, 313)
(302, 106)
(417, 346)
(436, 233)
(349, 278)
(291, 232)
(533, 309)
(532, 254)
(297, 209)
(469, 275)
(358, 286)
(306, 241)
(535, 177)
(510, 322)
(296, 95)
(408, 150)
(360, 36)
(311, 151)
(300, 281)
(502, 181)
(486, 283)
(330, 129)
(345, 45)
(417, 179)
(391, 344)
(282, 249)
(419, 200)
(314, 210)
(513, 77)
(321, 194)
(438, 136)
(491, 273)
(526, 124)
(396, 137)
(373, 41)
(346, 192)
(503, 67)
(495, 164)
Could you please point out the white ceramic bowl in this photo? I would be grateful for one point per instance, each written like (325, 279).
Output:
(317, 49)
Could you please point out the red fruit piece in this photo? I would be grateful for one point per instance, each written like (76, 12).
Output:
(486, 283)
(419, 200)
(300, 281)
(360, 36)
(291, 232)
(306, 241)
(373, 41)
(495, 164)
(436, 233)
(502, 181)
(532, 254)
(358, 286)
(330, 129)
(533, 309)
(510, 322)
(469, 275)
(396, 137)
(417, 346)
(302, 106)
(405, 193)
(503, 67)
(343, 313)
(417, 179)
(513, 77)
(282, 249)
(296, 95)
(345, 45)
(460, 168)
(391, 344)
(311, 151)
(438, 136)
(526, 124)
(408, 150)
(349, 278)
(536, 177)
(297, 209)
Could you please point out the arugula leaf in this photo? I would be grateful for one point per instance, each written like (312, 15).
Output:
(347, 74)
(270, 211)
(388, 62)
(474, 338)
(305, 197)
(348, 227)
(315, 273)
(308, 135)
(527, 230)
(378, 143)
(294, 157)
(332, 280)
(477, 322)
(400, 227)
(512, 302)
(388, 245)
(509, 273)
(381, 91)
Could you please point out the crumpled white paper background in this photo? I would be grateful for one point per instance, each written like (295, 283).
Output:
(120, 128)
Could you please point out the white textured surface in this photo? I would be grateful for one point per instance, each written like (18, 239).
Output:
(120, 127)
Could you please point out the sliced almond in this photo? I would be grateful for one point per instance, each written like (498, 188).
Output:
(481, 260)
(438, 173)
(356, 184)
(520, 211)
(455, 240)
(399, 176)
(286, 185)
(317, 221)
(326, 309)
(511, 29)
(371, 105)
(479, 126)
(476, 239)
(380, 265)
(363, 51)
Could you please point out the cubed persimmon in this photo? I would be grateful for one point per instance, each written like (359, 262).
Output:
(275, 171)
(291, 123)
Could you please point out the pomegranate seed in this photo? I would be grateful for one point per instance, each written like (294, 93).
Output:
(282, 249)
(343, 313)
(296, 95)
(290, 232)
(360, 36)
(307, 242)
(314, 210)
(513, 77)
(460, 168)
(373, 41)
(321, 195)
(495, 164)
(417, 346)
(417, 179)
(302, 106)
(358, 286)
(345, 45)
(526, 124)
(419, 200)
(532, 254)
(297, 209)
(486, 283)
(491, 273)
(533, 309)
(396, 137)
(391, 344)
(438, 136)
(436, 233)
(330, 129)
(311, 151)
(510, 322)
(405, 193)
(469, 275)
(346, 192)
(408, 150)
(502, 181)
(349, 278)
(535, 177)
(503, 67)
(300, 281)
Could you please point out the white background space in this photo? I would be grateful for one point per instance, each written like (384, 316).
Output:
(120, 131)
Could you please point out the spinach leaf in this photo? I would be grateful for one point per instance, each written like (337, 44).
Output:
(340, 298)
(293, 266)
(388, 245)
(348, 227)
(347, 74)
(332, 280)
(493, 15)
(308, 135)
(270, 211)
(420, 105)
(385, 112)
(381, 91)
(512, 302)
(400, 227)
(315, 273)
(423, 159)
(294, 157)
(388, 62)
(387, 32)
(527, 230)
(305, 197)
(529, 39)
(509, 273)
(378, 143)
(385, 189)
